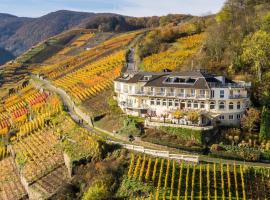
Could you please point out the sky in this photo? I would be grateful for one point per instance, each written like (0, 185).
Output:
(138, 8)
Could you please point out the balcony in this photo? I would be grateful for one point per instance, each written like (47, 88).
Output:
(135, 106)
(190, 96)
(238, 96)
(231, 85)
(181, 95)
(170, 94)
(160, 94)
(202, 96)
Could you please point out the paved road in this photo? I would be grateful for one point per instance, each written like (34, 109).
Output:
(112, 137)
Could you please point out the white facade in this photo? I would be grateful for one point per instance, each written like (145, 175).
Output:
(224, 102)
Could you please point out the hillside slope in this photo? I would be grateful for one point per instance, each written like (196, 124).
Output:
(18, 34)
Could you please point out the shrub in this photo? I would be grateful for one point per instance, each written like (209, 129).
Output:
(131, 188)
(185, 134)
(130, 127)
(113, 106)
(96, 192)
(216, 147)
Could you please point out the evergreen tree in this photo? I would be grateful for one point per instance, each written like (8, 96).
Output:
(265, 124)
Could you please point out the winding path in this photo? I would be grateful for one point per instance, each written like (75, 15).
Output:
(77, 115)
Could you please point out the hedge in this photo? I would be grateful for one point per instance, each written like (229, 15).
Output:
(197, 136)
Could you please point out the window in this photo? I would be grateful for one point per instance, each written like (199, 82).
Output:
(202, 93)
(238, 105)
(170, 102)
(158, 102)
(212, 106)
(152, 102)
(212, 93)
(238, 116)
(164, 102)
(130, 89)
(146, 78)
(231, 106)
(192, 92)
(221, 106)
(162, 90)
(176, 103)
(195, 104)
(202, 105)
(189, 104)
(221, 93)
(231, 117)
(221, 117)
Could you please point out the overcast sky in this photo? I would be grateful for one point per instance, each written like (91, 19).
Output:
(36, 8)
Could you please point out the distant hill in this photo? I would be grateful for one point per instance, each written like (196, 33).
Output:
(18, 34)
(5, 56)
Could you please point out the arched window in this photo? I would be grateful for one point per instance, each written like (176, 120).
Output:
(195, 104)
(158, 102)
(221, 105)
(212, 105)
(202, 105)
(231, 106)
(189, 104)
(238, 105)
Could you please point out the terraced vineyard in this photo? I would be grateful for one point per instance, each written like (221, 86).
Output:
(73, 63)
(37, 154)
(205, 181)
(28, 107)
(80, 41)
(175, 56)
(92, 78)
(10, 185)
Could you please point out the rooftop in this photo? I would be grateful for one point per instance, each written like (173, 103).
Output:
(184, 79)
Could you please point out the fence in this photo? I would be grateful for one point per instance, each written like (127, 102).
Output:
(157, 153)
(160, 124)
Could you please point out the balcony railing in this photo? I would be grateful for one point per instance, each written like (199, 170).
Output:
(170, 94)
(231, 85)
(238, 96)
(190, 95)
(160, 94)
(180, 95)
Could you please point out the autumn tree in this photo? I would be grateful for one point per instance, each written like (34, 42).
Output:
(256, 51)
(193, 116)
(178, 114)
(250, 120)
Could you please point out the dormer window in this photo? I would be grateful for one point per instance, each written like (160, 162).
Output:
(146, 78)
(169, 80)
